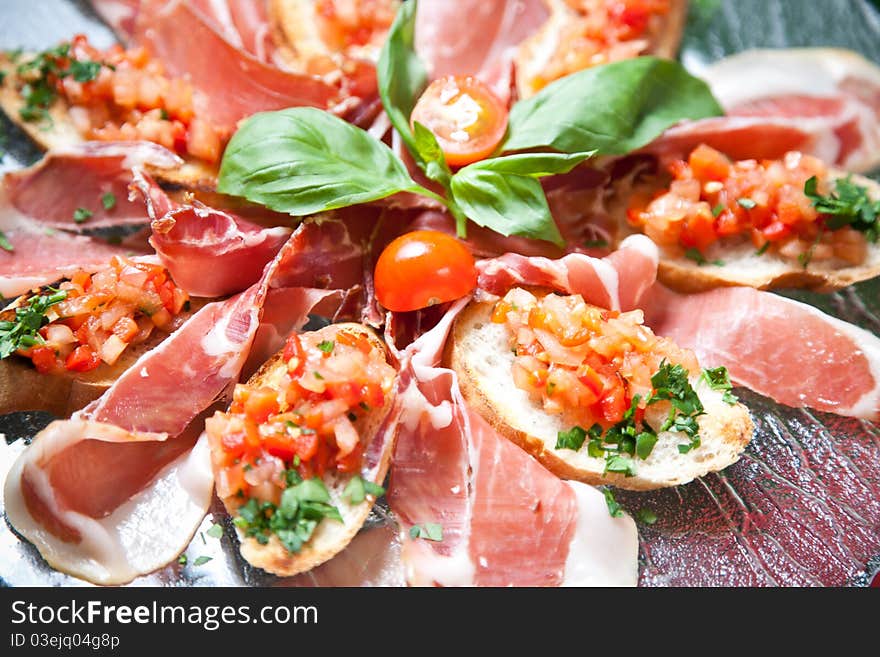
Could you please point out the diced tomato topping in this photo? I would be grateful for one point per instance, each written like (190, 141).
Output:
(260, 404)
(294, 355)
(43, 358)
(82, 359)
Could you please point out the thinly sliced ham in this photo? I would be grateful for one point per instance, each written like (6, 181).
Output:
(80, 176)
(232, 83)
(831, 94)
(120, 15)
(616, 282)
(42, 255)
(94, 498)
(499, 509)
(476, 37)
(787, 350)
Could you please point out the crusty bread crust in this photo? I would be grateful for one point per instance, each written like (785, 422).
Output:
(330, 537)
(60, 132)
(478, 347)
(741, 266)
(23, 388)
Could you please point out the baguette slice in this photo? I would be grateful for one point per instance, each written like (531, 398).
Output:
(663, 37)
(741, 266)
(60, 132)
(330, 536)
(479, 352)
(23, 388)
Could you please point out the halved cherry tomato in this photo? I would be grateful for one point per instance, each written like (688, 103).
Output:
(423, 268)
(467, 118)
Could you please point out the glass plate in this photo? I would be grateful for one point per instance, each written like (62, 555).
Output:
(801, 506)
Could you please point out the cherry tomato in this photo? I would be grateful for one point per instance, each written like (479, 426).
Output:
(467, 118)
(423, 268)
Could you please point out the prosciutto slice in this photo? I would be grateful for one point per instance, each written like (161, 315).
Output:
(787, 350)
(484, 44)
(499, 508)
(616, 282)
(79, 177)
(232, 83)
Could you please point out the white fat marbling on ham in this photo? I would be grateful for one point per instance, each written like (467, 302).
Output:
(107, 546)
(831, 93)
(615, 282)
(499, 508)
(604, 550)
(78, 176)
(764, 340)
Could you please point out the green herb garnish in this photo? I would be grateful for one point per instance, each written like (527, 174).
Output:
(613, 507)
(108, 200)
(201, 561)
(303, 505)
(719, 379)
(596, 244)
(29, 319)
(848, 205)
(431, 531)
(5, 244)
(718, 209)
(326, 346)
(763, 249)
(647, 516)
(358, 488)
(81, 215)
(182, 560)
(216, 531)
(571, 439)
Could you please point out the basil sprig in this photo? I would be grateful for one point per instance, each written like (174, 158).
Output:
(302, 160)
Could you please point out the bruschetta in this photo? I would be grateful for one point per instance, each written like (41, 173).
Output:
(792, 223)
(577, 35)
(74, 93)
(301, 454)
(594, 395)
(62, 346)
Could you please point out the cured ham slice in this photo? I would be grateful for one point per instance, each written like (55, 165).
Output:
(41, 256)
(93, 498)
(80, 177)
(787, 350)
(498, 508)
(616, 282)
(483, 44)
(232, 83)
(831, 94)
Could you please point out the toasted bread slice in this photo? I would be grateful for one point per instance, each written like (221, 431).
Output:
(59, 132)
(479, 352)
(663, 38)
(23, 388)
(738, 264)
(330, 537)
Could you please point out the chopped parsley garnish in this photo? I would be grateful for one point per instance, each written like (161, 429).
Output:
(632, 437)
(317, 375)
(5, 244)
(431, 531)
(108, 200)
(595, 244)
(182, 560)
(695, 255)
(202, 560)
(30, 318)
(303, 505)
(572, 439)
(746, 203)
(646, 516)
(39, 74)
(763, 249)
(718, 209)
(357, 490)
(81, 215)
(718, 378)
(613, 507)
(848, 205)
(326, 346)
(216, 531)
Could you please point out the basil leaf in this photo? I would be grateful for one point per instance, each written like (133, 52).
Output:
(571, 439)
(534, 165)
(508, 204)
(433, 161)
(614, 109)
(303, 160)
(400, 73)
